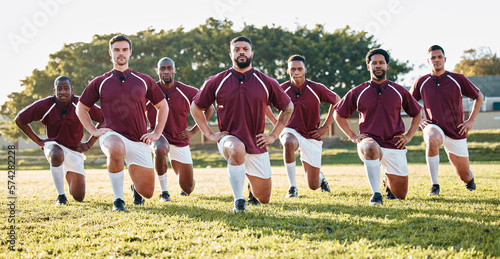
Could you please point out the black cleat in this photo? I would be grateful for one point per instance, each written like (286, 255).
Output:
(239, 206)
(471, 186)
(324, 184)
(376, 199)
(165, 196)
(119, 205)
(293, 192)
(138, 200)
(61, 200)
(251, 199)
(434, 190)
(388, 193)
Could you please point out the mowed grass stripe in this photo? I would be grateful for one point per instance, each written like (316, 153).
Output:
(458, 223)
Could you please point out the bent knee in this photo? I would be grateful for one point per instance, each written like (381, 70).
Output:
(264, 200)
(78, 196)
(161, 151)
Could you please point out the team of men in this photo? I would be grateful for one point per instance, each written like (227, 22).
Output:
(242, 96)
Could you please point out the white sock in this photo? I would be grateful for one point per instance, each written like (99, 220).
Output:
(58, 177)
(471, 173)
(163, 182)
(117, 184)
(433, 166)
(290, 171)
(237, 179)
(372, 168)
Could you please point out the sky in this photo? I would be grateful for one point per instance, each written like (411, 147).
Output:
(31, 30)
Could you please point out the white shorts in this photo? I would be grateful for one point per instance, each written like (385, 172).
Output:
(180, 154)
(136, 153)
(393, 161)
(73, 160)
(257, 165)
(310, 149)
(455, 146)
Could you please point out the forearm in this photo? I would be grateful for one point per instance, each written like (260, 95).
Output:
(270, 115)
(344, 126)
(200, 119)
(161, 116)
(92, 139)
(476, 107)
(82, 112)
(414, 124)
(329, 118)
(28, 131)
(282, 120)
(208, 113)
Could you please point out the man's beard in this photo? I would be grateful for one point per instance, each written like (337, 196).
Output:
(170, 79)
(381, 76)
(245, 64)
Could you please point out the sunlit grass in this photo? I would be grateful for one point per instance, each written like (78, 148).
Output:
(458, 223)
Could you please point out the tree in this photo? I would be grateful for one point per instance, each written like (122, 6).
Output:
(335, 59)
(480, 62)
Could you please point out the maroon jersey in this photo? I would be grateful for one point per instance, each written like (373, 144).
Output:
(306, 101)
(179, 99)
(123, 98)
(241, 101)
(62, 126)
(379, 107)
(442, 97)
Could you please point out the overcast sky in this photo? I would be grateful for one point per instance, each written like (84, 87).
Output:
(33, 29)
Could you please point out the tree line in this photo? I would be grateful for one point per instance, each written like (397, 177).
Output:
(336, 59)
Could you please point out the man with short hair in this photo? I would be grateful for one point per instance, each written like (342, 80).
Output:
(62, 147)
(175, 137)
(441, 92)
(242, 95)
(381, 140)
(123, 94)
(303, 130)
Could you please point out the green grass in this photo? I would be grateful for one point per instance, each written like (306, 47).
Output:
(484, 147)
(458, 223)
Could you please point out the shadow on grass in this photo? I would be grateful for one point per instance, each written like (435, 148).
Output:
(425, 227)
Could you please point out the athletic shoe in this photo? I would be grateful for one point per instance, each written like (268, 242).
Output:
(324, 184)
(61, 200)
(119, 205)
(388, 193)
(293, 192)
(165, 196)
(376, 199)
(239, 206)
(251, 198)
(434, 190)
(471, 186)
(138, 200)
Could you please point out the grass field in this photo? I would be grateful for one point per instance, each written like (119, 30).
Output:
(458, 223)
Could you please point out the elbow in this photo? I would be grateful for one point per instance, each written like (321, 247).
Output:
(18, 121)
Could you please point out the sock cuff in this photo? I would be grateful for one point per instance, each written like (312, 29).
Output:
(290, 164)
(116, 175)
(236, 167)
(375, 162)
(162, 177)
